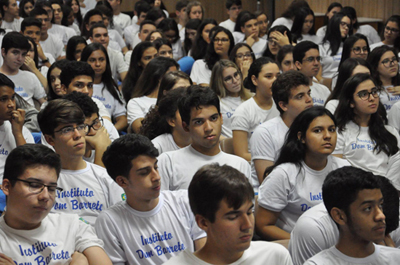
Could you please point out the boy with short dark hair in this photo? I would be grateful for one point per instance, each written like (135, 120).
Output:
(222, 200)
(201, 117)
(291, 93)
(180, 11)
(28, 233)
(10, 14)
(150, 226)
(249, 26)
(140, 11)
(233, 8)
(354, 200)
(307, 60)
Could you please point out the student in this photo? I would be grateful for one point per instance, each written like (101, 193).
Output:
(227, 83)
(171, 32)
(292, 95)
(225, 213)
(88, 189)
(390, 34)
(146, 27)
(288, 16)
(303, 26)
(164, 47)
(315, 230)
(57, 12)
(104, 87)
(384, 62)
(355, 46)
(195, 10)
(284, 58)
(12, 121)
(363, 138)
(263, 23)
(278, 37)
(136, 231)
(251, 113)
(332, 10)
(9, 12)
(49, 42)
(201, 117)
(92, 17)
(354, 200)
(25, 7)
(76, 8)
(53, 80)
(13, 50)
(243, 56)
(99, 33)
(180, 11)
(249, 27)
(75, 47)
(190, 35)
(294, 182)
(120, 19)
(140, 10)
(202, 38)
(233, 8)
(307, 60)
(28, 232)
(145, 92)
(69, 19)
(220, 46)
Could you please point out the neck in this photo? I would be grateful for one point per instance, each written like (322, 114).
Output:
(262, 102)
(50, 25)
(311, 80)
(386, 81)
(362, 120)
(44, 36)
(234, 20)
(214, 253)
(224, 56)
(117, 10)
(14, 222)
(287, 119)
(72, 163)
(315, 162)
(153, 94)
(7, 70)
(353, 246)
(181, 139)
(207, 151)
(387, 42)
(8, 17)
(97, 79)
(142, 205)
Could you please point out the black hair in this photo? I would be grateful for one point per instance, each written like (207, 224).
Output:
(66, 10)
(88, 15)
(36, 56)
(244, 18)
(298, 22)
(119, 155)
(15, 40)
(148, 38)
(282, 29)
(168, 82)
(330, 7)
(197, 96)
(283, 85)
(211, 56)
(154, 14)
(38, 11)
(239, 17)
(59, 111)
(86, 103)
(333, 35)
(395, 19)
(95, 26)
(74, 69)
(30, 21)
(290, 12)
(145, 22)
(3, 3)
(191, 24)
(348, 46)
(22, 4)
(57, 3)
(286, 49)
(230, 3)
(5, 81)
(199, 47)
(160, 42)
(141, 7)
(213, 184)
(255, 69)
(155, 123)
(385, 141)
(105, 8)
(390, 204)
(374, 58)
(181, 4)
(73, 42)
(28, 156)
(78, 15)
(300, 50)
(169, 24)
(294, 150)
(232, 55)
(106, 77)
(58, 64)
(352, 14)
(341, 187)
(135, 69)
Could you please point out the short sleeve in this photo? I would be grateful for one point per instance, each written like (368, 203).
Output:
(121, 65)
(165, 170)
(39, 91)
(262, 145)
(240, 121)
(339, 149)
(86, 237)
(134, 111)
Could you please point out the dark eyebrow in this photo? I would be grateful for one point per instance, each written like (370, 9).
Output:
(237, 211)
(146, 168)
(372, 201)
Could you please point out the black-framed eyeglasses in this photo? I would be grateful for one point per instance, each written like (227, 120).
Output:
(96, 125)
(37, 187)
(312, 59)
(359, 50)
(69, 130)
(223, 40)
(235, 8)
(364, 94)
(246, 55)
(229, 79)
(388, 62)
(392, 29)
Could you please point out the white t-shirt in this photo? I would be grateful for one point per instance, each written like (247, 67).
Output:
(355, 144)
(15, 25)
(7, 143)
(177, 168)
(287, 22)
(238, 36)
(134, 237)
(87, 192)
(329, 63)
(138, 107)
(228, 24)
(228, 106)
(114, 108)
(291, 190)
(75, 27)
(321, 32)
(129, 32)
(382, 255)
(369, 32)
(165, 143)
(115, 36)
(200, 73)
(259, 252)
(64, 32)
(331, 105)
(259, 47)
(313, 38)
(53, 242)
(388, 99)
(319, 94)
(122, 20)
(117, 63)
(53, 45)
(28, 86)
(394, 116)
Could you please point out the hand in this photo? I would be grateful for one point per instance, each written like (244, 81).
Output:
(5, 260)
(244, 67)
(281, 39)
(17, 120)
(100, 139)
(251, 39)
(29, 64)
(40, 52)
(394, 90)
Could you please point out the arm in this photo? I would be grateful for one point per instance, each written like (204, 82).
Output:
(199, 243)
(123, 75)
(136, 125)
(99, 142)
(42, 56)
(42, 100)
(265, 225)
(17, 123)
(96, 255)
(240, 144)
(29, 65)
(5, 260)
(251, 39)
(121, 123)
(260, 166)
(79, 259)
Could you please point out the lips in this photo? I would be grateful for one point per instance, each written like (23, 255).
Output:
(80, 145)
(246, 237)
(210, 137)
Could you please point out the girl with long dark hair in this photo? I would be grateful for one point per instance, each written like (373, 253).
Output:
(202, 39)
(303, 26)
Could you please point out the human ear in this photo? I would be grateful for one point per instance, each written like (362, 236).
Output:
(338, 216)
(242, 29)
(254, 80)
(298, 65)
(171, 122)
(49, 139)
(283, 105)
(5, 186)
(64, 88)
(185, 126)
(202, 222)
(300, 138)
(121, 181)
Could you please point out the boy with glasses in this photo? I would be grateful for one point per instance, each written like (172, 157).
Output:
(233, 8)
(28, 233)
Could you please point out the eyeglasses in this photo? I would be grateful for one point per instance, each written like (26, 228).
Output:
(229, 79)
(312, 59)
(246, 55)
(392, 30)
(221, 40)
(344, 24)
(364, 94)
(69, 130)
(96, 125)
(388, 62)
(37, 187)
(235, 8)
(359, 50)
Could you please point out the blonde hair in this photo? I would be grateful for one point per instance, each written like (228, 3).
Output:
(217, 80)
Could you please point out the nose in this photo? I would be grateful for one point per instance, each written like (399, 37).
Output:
(11, 104)
(44, 194)
(156, 175)
(85, 90)
(327, 134)
(247, 222)
(308, 98)
(380, 216)
(207, 126)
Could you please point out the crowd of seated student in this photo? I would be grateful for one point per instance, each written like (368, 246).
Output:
(243, 145)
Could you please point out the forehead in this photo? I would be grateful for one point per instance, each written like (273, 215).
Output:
(228, 70)
(33, 28)
(100, 30)
(43, 16)
(311, 52)
(97, 54)
(367, 195)
(269, 68)
(92, 117)
(360, 42)
(6, 91)
(224, 207)
(388, 54)
(82, 79)
(221, 35)
(142, 161)
(392, 24)
(55, 6)
(250, 22)
(321, 120)
(195, 8)
(165, 47)
(148, 27)
(345, 19)
(202, 111)
(298, 90)
(42, 173)
(16, 50)
(366, 85)
(149, 51)
(96, 18)
(243, 49)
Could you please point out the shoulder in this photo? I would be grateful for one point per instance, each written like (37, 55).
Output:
(339, 162)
